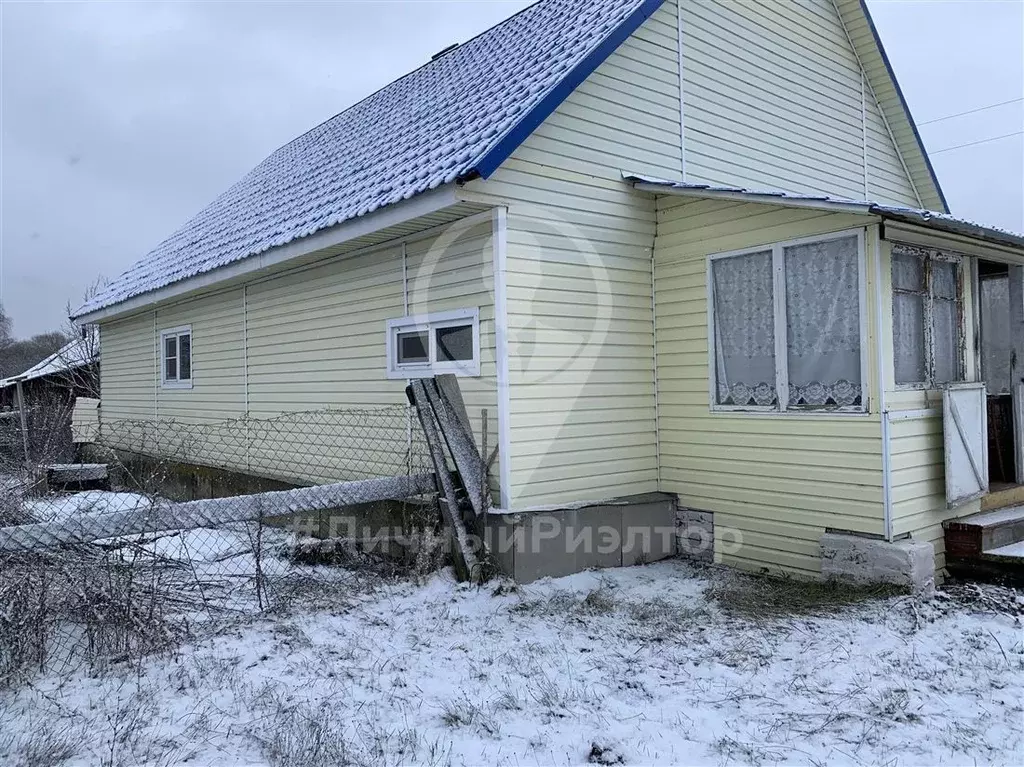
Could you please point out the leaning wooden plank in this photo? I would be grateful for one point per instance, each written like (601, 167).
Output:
(210, 512)
(448, 385)
(454, 425)
(464, 558)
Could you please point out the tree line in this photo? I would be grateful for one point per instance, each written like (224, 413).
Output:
(18, 355)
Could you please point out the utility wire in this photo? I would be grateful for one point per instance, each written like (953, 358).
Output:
(974, 143)
(970, 112)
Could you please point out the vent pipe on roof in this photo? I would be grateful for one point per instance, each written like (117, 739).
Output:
(443, 51)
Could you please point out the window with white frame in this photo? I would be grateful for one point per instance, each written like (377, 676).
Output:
(432, 344)
(927, 307)
(176, 357)
(786, 326)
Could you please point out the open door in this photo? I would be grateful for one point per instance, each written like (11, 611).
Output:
(965, 434)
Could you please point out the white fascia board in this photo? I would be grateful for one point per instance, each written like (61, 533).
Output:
(399, 213)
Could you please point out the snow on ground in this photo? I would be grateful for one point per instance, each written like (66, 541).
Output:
(55, 508)
(630, 666)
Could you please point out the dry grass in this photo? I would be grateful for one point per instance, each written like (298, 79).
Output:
(764, 597)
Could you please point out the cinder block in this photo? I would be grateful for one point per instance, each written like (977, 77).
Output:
(597, 537)
(543, 550)
(869, 560)
(648, 532)
(695, 534)
(500, 531)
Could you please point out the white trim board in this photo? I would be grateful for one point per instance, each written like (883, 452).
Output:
(500, 246)
(393, 215)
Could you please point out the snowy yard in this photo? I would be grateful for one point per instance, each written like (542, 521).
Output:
(660, 664)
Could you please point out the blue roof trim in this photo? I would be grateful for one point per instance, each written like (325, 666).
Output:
(522, 130)
(903, 101)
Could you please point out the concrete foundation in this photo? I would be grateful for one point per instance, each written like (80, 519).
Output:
(552, 543)
(868, 560)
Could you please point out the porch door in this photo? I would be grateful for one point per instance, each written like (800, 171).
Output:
(965, 434)
(1016, 275)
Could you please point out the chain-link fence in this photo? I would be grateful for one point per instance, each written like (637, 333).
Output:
(165, 527)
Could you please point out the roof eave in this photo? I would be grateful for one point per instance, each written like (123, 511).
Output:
(397, 213)
(922, 218)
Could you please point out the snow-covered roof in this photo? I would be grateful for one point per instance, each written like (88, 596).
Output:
(74, 355)
(458, 116)
(927, 218)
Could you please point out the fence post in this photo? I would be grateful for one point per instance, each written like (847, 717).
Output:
(24, 423)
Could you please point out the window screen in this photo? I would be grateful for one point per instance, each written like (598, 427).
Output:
(454, 343)
(184, 357)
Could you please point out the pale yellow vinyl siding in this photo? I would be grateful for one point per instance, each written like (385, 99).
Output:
(305, 340)
(918, 483)
(775, 99)
(128, 369)
(774, 482)
(578, 276)
(218, 380)
(892, 114)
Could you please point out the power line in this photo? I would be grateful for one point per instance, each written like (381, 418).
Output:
(970, 112)
(974, 143)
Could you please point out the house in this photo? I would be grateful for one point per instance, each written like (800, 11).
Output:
(58, 392)
(676, 247)
(71, 371)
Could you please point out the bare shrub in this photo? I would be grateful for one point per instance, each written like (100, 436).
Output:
(302, 735)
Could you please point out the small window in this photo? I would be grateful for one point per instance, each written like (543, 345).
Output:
(431, 344)
(927, 306)
(176, 346)
(786, 326)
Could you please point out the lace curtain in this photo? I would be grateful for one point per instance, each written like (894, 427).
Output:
(823, 324)
(744, 321)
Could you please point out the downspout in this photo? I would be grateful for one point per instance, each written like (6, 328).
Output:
(883, 410)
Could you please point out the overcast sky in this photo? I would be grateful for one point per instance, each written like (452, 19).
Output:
(120, 120)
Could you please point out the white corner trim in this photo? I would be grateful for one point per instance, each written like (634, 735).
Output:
(657, 398)
(245, 348)
(500, 245)
(883, 408)
(399, 213)
(682, 89)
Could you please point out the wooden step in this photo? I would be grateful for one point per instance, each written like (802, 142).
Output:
(970, 537)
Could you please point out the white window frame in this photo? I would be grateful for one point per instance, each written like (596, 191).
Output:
(781, 408)
(432, 323)
(176, 332)
(933, 254)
